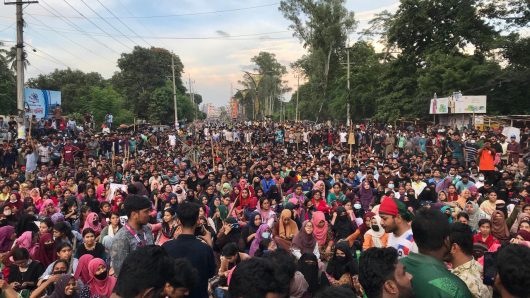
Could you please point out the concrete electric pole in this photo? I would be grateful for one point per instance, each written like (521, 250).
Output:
(20, 54)
(174, 91)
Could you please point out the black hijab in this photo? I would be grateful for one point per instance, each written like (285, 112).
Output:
(338, 266)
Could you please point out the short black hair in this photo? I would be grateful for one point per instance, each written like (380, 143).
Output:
(135, 203)
(188, 213)
(230, 250)
(377, 265)
(88, 231)
(144, 268)
(255, 278)
(184, 275)
(20, 254)
(61, 245)
(430, 228)
(514, 275)
(484, 221)
(462, 235)
(463, 214)
(285, 264)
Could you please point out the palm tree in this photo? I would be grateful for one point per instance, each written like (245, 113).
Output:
(11, 56)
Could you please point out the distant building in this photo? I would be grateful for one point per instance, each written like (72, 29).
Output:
(211, 110)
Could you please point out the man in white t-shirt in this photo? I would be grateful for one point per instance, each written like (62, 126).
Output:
(343, 138)
(172, 140)
(395, 220)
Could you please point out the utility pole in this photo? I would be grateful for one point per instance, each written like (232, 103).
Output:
(20, 55)
(348, 85)
(297, 97)
(174, 91)
(192, 97)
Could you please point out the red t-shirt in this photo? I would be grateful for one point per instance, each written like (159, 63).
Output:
(488, 242)
(68, 151)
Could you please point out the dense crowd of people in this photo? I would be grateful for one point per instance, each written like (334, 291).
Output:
(265, 209)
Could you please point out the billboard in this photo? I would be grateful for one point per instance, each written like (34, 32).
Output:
(41, 103)
(439, 106)
(458, 104)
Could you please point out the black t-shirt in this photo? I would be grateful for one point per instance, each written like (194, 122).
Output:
(97, 252)
(35, 270)
(200, 256)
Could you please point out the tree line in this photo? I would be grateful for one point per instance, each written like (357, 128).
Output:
(429, 46)
(141, 89)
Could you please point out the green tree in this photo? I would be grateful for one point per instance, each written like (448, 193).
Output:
(8, 95)
(420, 27)
(142, 72)
(101, 100)
(323, 28)
(161, 107)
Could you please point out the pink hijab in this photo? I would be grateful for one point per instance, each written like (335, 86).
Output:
(321, 234)
(92, 221)
(26, 241)
(100, 189)
(35, 195)
(99, 287)
(81, 272)
(318, 184)
(44, 210)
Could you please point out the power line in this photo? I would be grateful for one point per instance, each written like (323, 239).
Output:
(51, 57)
(8, 27)
(176, 15)
(125, 25)
(108, 23)
(230, 37)
(68, 22)
(96, 25)
(69, 39)
(126, 9)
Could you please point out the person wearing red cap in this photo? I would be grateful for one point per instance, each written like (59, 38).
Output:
(395, 220)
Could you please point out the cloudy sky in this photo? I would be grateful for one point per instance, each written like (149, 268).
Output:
(215, 39)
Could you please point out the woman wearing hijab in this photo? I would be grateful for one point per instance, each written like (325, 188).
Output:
(65, 287)
(263, 232)
(48, 209)
(27, 240)
(341, 224)
(219, 216)
(375, 236)
(100, 284)
(341, 267)
(81, 272)
(92, 221)
(226, 189)
(267, 214)
(285, 230)
(45, 252)
(475, 214)
(366, 194)
(35, 196)
(322, 233)
(448, 211)
(499, 229)
(308, 266)
(249, 231)
(304, 242)
(7, 238)
(230, 232)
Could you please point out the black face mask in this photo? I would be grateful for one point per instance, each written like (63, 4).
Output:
(340, 259)
(101, 276)
(59, 272)
(375, 228)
